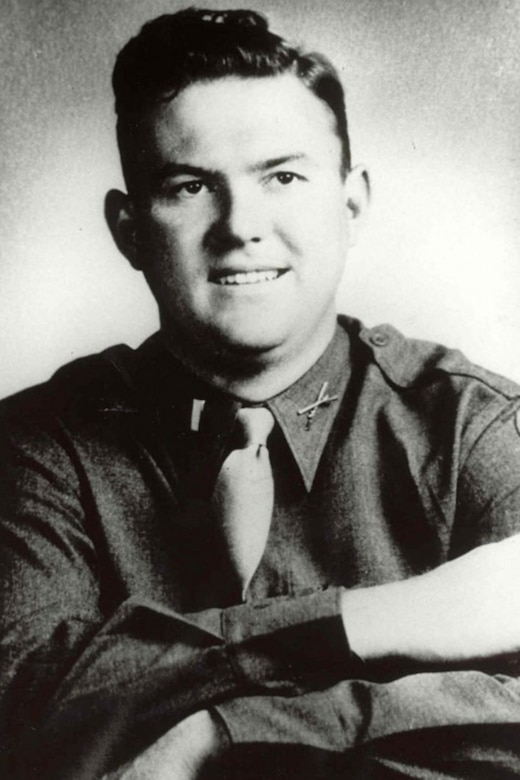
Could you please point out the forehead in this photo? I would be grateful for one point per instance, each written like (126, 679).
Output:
(225, 121)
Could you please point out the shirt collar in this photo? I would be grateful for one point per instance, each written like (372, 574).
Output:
(306, 433)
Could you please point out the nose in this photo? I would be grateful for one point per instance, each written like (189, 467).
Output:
(241, 219)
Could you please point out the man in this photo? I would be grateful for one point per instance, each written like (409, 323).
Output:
(260, 543)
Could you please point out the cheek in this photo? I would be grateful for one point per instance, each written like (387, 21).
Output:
(334, 225)
(176, 223)
(169, 242)
(319, 230)
(163, 230)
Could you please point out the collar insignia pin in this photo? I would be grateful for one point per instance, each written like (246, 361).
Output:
(322, 400)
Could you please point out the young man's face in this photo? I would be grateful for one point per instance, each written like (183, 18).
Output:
(243, 220)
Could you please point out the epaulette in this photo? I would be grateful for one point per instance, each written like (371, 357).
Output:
(412, 362)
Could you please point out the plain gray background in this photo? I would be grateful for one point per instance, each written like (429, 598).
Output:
(433, 91)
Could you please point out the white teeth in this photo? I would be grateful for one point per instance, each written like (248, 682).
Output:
(249, 277)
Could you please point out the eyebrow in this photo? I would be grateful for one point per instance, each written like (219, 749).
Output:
(274, 162)
(179, 169)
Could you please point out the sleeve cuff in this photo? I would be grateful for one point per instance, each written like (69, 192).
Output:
(298, 641)
(310, 720)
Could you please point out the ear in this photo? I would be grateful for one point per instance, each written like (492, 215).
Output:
(357, 200)
(121, 219)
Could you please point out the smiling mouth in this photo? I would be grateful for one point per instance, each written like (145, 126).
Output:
(246, 277)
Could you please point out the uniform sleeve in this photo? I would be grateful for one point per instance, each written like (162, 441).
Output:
(432, 726)
(78, 685)
(427, 726)
(488, 487)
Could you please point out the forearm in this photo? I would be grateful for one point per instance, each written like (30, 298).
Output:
(440, 619)
(149, 667)
(353, 729)
(426, 720)
(458, 614)
(453, 616)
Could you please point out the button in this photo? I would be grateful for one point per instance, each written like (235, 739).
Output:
(379, 339)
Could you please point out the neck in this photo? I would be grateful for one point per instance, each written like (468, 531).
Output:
(249, 377)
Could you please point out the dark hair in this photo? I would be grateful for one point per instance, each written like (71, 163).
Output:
(176, 50)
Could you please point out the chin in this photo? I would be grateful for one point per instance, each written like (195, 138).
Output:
(248, 346)
(248, 336)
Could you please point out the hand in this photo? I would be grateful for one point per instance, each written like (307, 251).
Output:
(180, 754)
(467, 609)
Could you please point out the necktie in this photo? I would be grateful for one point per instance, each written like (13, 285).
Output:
(244, 494)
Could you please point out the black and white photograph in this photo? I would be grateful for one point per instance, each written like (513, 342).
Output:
(260, 390)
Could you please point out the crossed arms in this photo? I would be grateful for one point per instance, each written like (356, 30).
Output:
(85, 688)
(265, 672)
(455, 616)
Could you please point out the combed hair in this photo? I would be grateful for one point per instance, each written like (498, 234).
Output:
(176, 50)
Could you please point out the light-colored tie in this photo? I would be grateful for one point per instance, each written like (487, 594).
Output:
(243, 496)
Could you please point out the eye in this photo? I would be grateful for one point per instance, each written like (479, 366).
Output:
(282, 179)
(190, 187)
(285, 177)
